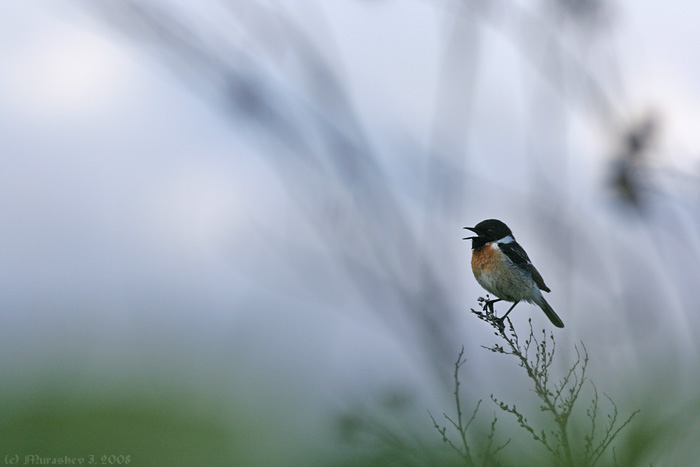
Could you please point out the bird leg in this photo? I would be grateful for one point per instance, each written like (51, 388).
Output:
(503, 318)
(489, 304)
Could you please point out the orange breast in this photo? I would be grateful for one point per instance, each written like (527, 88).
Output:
(485, 259)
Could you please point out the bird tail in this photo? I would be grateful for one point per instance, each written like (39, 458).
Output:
(550, 313)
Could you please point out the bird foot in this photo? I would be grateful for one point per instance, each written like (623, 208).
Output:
(500, 322)
(489, 304)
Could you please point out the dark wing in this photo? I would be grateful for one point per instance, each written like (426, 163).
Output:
(516, 253)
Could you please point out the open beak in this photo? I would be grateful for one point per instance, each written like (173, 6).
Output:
(472, 229)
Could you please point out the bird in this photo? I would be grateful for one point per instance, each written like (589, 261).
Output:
(502, 267)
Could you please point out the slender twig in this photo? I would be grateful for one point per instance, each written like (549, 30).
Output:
(488, 453)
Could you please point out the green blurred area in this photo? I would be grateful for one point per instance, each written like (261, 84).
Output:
(136, 430)
(183, 431)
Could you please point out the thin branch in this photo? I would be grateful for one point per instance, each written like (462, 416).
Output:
(536, 356)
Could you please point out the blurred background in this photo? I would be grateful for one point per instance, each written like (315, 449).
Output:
(232, 230)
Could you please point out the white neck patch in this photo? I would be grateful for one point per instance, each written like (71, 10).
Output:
(506, 239)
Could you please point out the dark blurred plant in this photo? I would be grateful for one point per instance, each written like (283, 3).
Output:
(631, 174)
(377, 437)
(559, 399)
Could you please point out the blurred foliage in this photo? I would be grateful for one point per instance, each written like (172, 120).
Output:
(166, 426)
(137, 429)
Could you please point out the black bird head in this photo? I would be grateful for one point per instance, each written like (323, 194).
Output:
(488, 231)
